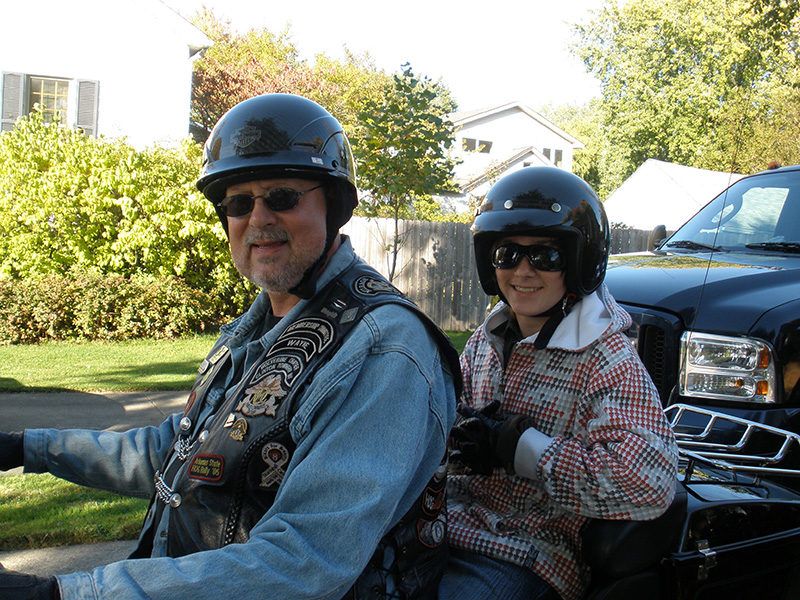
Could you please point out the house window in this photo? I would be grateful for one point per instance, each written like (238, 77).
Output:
(51, 95)
(473, 145)
(555, 156)
(76, 100)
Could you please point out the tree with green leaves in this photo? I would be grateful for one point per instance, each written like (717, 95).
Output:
(690, 81)
(72, 204)
(583, 122)
(239, 66)
(403, 150)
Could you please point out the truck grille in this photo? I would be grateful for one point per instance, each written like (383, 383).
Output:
(652, 350)
(656, 337)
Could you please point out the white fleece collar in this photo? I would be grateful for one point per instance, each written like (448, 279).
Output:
(588, 320)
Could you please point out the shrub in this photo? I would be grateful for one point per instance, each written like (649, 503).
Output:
(133, 219)
(100, 307)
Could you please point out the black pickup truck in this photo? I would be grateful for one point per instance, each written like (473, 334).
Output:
(716, 306)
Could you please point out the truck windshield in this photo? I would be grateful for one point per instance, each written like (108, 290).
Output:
(760, 212)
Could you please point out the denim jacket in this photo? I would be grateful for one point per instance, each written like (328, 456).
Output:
(370, 432)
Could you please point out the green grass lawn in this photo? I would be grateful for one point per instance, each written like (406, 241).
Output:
(38, 511)
(139, 365)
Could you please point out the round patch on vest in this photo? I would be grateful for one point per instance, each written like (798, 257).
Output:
(370, 286)
(432, 533)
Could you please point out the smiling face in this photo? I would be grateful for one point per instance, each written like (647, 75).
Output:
(273, 249)
(530, 292)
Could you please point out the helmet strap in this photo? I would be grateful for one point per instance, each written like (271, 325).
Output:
(307, 286)
(556, 314)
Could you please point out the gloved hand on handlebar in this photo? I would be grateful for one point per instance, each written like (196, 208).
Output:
(485, 439)
(12, 452)
(20, 586)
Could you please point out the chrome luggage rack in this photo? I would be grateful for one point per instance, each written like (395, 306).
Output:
(732, 456)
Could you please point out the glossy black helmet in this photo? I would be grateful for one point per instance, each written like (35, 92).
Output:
(547, 202)
(280, 135)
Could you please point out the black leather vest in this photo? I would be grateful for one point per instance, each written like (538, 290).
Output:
(234, 466)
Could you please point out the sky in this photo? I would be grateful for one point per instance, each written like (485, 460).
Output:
(489, 54)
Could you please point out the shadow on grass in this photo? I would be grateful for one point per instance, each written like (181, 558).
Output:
(165, 376)
(39, 511)
(8, 384)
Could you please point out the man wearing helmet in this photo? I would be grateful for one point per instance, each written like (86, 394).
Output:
(308, 460)
(561, 422)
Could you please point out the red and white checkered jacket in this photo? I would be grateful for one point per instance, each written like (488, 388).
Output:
(612, 454)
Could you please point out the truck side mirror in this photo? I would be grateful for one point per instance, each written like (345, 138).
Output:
(658, 235)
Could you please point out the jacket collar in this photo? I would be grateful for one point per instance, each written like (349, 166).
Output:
(593, 317)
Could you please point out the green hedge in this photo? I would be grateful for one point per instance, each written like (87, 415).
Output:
(100, 307)
(103, 241)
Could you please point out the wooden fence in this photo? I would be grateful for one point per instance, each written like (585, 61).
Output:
(435, 265)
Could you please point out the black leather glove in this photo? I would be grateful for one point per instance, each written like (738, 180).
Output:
(485, 439)
(12, 452)
(19, 586)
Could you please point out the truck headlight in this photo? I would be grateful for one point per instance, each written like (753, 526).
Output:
(726, 368)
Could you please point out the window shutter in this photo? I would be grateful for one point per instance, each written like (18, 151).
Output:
(13, 100)
(87, 106)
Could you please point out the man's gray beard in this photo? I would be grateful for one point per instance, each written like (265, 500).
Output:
(291, 275)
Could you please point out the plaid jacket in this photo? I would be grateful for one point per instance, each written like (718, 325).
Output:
(612, 453)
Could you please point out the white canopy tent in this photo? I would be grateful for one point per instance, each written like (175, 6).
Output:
(662, 193)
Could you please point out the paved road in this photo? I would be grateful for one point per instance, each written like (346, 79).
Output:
(118, 411)
(113, 410)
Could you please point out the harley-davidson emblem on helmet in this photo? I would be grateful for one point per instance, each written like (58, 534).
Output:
(245, 135)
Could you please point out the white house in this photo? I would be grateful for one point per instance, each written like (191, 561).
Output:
(119, 68)
(500, 139)
(662, 193)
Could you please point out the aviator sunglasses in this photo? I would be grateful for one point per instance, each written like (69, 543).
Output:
(278, 200)
(542, 258)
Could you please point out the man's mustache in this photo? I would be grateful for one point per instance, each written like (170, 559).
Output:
(266, 236)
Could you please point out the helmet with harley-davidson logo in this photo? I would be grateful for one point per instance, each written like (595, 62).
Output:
(545, 202)
(276, 136)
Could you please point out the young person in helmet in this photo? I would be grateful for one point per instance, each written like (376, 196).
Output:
(561, 422)
(308, 462)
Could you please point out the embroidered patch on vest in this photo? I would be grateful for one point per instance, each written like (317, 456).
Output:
(207, 467)
(433, 497)
(275, 455)
(370, 286)
(433, 500)
(286, 360)
(432, 533)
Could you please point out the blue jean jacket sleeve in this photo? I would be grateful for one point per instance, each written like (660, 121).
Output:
(120, 462)
(371, 431)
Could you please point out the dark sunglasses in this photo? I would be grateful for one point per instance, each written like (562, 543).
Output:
(278, 200)
(542, 258)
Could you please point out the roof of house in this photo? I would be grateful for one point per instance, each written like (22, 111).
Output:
(662, 193)
(472, 179)
(461, 118)
(193, 35)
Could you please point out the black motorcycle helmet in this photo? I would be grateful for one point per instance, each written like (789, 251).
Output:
(545, 202)
(282, 135)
